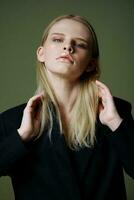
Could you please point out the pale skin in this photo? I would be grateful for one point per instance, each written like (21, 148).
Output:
(70, 38)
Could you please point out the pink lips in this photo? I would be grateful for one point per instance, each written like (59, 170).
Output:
(66, 57)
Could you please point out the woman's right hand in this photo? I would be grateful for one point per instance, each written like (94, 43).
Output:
(31, 120)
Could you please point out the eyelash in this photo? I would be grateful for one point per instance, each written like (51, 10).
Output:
(57, 40)
(80, 45)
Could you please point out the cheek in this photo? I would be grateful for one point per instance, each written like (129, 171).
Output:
(51, 46)
(84, 59)
(50, 52)
(48, 48)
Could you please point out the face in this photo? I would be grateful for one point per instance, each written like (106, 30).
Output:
(67, 49)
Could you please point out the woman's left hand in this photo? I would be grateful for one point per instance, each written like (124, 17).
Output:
(108, 114)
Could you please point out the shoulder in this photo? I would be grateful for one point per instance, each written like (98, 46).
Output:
(123, 107)
(14, 110)
(13, 115)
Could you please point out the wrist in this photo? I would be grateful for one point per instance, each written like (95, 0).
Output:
(114, 123)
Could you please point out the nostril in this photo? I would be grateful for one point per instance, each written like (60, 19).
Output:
(71, 50)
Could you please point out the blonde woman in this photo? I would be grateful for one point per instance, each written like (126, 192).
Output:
(72, 139)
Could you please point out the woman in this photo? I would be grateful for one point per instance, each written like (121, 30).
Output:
(72, 139)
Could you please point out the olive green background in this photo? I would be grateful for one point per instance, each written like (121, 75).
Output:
(21, 27)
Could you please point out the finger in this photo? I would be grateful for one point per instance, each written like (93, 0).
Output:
(100, 107)
(103, 88)
(103, 96)
(101, 85)
(34, 100)
(33, 104)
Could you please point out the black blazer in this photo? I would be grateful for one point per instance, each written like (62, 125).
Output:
(48, 170)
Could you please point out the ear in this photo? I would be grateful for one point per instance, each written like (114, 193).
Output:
(91, 65)
(40, 54)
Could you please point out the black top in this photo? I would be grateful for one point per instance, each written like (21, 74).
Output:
(49, 170)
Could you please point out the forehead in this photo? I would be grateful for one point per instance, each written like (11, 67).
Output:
(72, 27)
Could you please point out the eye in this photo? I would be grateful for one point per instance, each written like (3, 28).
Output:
(57, 40)
(82, 45)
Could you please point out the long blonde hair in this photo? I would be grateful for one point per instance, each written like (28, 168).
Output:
(83, 116)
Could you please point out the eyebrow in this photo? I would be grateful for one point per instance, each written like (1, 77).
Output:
(78, 38)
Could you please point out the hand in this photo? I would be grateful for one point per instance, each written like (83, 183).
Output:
(108, 114)
(31, 119)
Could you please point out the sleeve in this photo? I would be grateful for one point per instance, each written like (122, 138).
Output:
(12, 148)
(123, 140)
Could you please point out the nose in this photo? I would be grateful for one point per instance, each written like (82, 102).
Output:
(68, 48)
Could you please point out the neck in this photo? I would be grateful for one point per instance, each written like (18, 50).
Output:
(65, 92)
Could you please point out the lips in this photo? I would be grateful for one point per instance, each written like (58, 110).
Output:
(66, 58)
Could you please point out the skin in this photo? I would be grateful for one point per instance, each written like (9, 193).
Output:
(67, 38)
